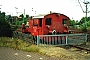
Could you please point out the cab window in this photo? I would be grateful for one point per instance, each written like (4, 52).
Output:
(40, 22)
(64, 22)
(48, 21)
(35, 22)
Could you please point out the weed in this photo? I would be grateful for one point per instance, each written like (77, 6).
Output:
(18, 44)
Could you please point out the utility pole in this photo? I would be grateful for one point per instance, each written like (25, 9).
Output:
(24, 16)
(32, 12)
(35, 12)
(16, 14)
(86, 3)
(16, 11)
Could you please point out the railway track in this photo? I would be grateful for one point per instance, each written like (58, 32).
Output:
(80, 47)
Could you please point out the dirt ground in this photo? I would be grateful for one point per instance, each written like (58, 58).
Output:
(67, 52)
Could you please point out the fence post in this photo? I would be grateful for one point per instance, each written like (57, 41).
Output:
(38, 40)
(86, 37)
(66, 39)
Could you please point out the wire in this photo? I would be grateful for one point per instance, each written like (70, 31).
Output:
(82, 1)
(80, 5)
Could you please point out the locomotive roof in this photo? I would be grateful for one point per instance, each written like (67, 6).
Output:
(42, 16)
(58, 13)
(35, 17)
(38, 17)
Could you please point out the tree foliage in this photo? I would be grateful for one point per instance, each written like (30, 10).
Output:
(84, 24)
(5, 29)
(22, 16)
(83, 19)
(22, 19)
(27, 16)
(72, 22)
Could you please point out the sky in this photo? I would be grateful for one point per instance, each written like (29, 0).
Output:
(71, 8)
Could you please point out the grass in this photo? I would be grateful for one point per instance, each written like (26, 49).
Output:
(32, 48)
(18, 44)
(64, 54)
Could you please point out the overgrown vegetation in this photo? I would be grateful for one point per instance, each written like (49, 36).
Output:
(18, 44)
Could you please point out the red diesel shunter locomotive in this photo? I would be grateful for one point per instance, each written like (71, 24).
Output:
(54, 23)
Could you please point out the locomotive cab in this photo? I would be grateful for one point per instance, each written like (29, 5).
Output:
(54, 23)
(37, 25)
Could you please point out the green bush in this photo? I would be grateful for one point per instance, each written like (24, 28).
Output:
(83, 28)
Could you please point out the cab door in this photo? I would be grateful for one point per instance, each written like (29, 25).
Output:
(40, 25)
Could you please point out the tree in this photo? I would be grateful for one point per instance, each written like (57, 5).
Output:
(27, 16)
(72, 22)
(82, 20)
(21, 16)
(77, 22)
(5, 29)
(8, 17)
(88, 23)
